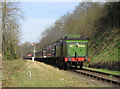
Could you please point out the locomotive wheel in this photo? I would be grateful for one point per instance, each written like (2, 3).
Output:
(66, 66)
(59, 64)
(69, 65)
(76, 65)
(81, 65)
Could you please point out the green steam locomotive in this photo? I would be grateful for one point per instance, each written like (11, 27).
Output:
(69, 51)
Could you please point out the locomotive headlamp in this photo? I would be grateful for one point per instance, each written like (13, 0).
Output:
(71, 45)
(70, 59)
(86, 58)
(81, 45)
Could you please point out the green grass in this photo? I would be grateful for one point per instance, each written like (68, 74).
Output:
(110, 53)
(16, 73)
(105, 70)
(12, 72)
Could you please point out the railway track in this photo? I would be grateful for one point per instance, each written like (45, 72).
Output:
(108, 74)
(111, 78)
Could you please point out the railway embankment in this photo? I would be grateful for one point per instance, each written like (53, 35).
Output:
(27, 73)
(105, 49)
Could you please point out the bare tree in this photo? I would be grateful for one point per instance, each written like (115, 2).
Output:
(0, 27)
(11, 15)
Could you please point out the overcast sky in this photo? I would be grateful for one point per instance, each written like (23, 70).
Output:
(41, 15)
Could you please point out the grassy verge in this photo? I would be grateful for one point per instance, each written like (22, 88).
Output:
(13, 73)
(105, 47)
(105, 53)
(22, 73)
(110, 53)
(104, 70)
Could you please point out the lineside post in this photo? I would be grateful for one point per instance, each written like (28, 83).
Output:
(33, 52)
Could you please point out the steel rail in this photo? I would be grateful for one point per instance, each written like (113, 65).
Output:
(99, 72)
(98, 77)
